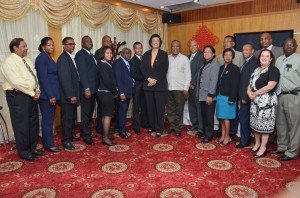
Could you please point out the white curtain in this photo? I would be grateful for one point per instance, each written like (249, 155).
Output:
(32, 27)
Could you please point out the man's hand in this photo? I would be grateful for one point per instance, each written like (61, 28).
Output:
(87, 94)
(73, 100)
(52, 101)
(185, 95)
(208, 100)
(123, 98)
(37, 95)
(244, 102)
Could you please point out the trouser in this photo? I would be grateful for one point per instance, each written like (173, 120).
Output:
(68, 116)
(87, 109)
(122, 111)
(156, 102)
(24, 118)
(174, 108)
(288, 124)
(244, 117)
(208, 113)
(47, 111)
(139, 105)
(195, 110)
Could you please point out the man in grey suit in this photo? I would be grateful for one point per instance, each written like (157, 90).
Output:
(196, 60)
(266, 43)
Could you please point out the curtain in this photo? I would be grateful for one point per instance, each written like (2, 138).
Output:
(32, 27)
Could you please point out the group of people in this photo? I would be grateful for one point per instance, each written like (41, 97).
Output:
(245, 87)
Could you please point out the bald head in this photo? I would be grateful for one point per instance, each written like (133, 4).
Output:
(193, 46)
(265, 40)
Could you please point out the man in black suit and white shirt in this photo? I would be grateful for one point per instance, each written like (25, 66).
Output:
(87, 69)
(246, 70)
(69, 90)
(196, 60)
(139, 101)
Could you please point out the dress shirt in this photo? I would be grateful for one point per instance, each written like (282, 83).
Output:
(126, 63)
(269, 48)
(179, 73)
(290, 76)
(17, 76)
(192, 56)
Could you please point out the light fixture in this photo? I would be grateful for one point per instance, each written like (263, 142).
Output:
(162, 6)
(195, 1)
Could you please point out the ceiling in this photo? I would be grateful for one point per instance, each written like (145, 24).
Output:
(178, 5)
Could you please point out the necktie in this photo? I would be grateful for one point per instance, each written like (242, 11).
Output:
(141, 58)
(31, 72)
(243, 65)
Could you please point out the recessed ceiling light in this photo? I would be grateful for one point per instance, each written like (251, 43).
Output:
(162, 6)
(196, 1)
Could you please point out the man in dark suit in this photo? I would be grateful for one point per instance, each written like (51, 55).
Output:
(125, 84)
(250, 64)
(196, 60)
(69, 90)
(266, 43)
(87, 69)
(139, 102)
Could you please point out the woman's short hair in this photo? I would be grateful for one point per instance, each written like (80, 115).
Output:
(44, 42)
(229, 50)
(102, 51)
(211, 48)
(271, 54)
(155, 36)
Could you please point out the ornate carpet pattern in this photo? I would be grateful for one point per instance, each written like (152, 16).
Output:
(145, 166)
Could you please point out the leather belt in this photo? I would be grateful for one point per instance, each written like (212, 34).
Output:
(294, 92)
(13, 91)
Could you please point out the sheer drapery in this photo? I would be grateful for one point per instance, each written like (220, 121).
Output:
(93, 12)
(32, 27)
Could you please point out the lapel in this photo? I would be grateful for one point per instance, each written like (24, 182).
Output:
(157, 57)
(72, 62)
(124, 65)
(195, 57)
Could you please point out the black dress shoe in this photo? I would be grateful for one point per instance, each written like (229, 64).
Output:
(192, 128)
(259, 156)
(137, 132)
(54, 150)
(75, 139)
(68, 146)
(254, 151)
(89, 141)
(285, 158)
(241, 145)
(29, 157)
(38, 152)
(206, 140)
(199, 135)
(169, 131)
(178, 133)
(123, 135)
(276, 151)
(150, 130)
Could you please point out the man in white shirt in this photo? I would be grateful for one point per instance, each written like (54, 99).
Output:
(179, 78)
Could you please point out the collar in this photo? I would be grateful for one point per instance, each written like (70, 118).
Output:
(270, 47)
(289, 57)
(71, 55)
(125, 61)
(178, 55)
(194, 54)
(138, 56)
(104, 61)
(86, 50)
(249, 58)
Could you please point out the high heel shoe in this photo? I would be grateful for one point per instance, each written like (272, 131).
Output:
(259, 156)
(222, 144)
(219, 141)
(254, 151)
(108, 144)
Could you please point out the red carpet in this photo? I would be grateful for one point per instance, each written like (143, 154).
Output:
(145, 166)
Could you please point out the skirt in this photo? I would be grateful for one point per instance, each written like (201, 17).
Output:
(224, 109)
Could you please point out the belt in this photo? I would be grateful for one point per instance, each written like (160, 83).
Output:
(294, 92)
(13, 91)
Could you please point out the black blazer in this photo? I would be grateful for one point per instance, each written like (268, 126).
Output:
(135, 69)
(228, 83)
(107, 80)
(87, 69)
(196, 64)
(245, 74)
(68, 78)
(158, 71)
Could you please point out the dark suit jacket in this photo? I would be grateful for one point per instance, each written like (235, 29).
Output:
(228, 83)
(158, 71)
(245, 73)
(107, 81)
(123, 78)
(87, 69)
(277, 51)
(68, 78)
(47, 74)
(196, 63)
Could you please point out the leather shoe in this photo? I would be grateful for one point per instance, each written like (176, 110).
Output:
(285, 158)
(199, 135)
(222, 144)
(89, 141)
(108, 144)
(241, 145)
(276, 151)
(75, 139)
(54, 149)
(206, 140)
(137, 132)
(123, 135)
(192, 128)
(29, 157)
(169, 131)
(158, 134)
(178, 133)
(68, 146)
(38, 152)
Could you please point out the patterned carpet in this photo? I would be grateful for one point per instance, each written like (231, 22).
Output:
(145, 166)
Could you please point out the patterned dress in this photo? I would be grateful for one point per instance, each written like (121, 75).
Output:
(263, 107)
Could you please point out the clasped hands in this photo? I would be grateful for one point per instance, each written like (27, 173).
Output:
(151, 82)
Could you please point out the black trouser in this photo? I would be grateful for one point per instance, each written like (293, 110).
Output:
(156, 102)
(24, 118)
(68, 117)
(195, 110)
(87, 109)
(139, 105)
(208, 113)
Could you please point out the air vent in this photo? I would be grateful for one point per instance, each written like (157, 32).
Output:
(185, 6)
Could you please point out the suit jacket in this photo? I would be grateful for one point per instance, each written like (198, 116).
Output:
(68, 78)
(87, 69)
(277, 51)
(136, 73)
(238, 59)
(207, 81)
(158, 71)
(107, 80)
(228, 83)
(47, 74)
(245, 73)
(123, 78)
(196, 63)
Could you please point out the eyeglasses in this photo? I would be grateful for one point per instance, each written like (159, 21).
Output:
(70, 44)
